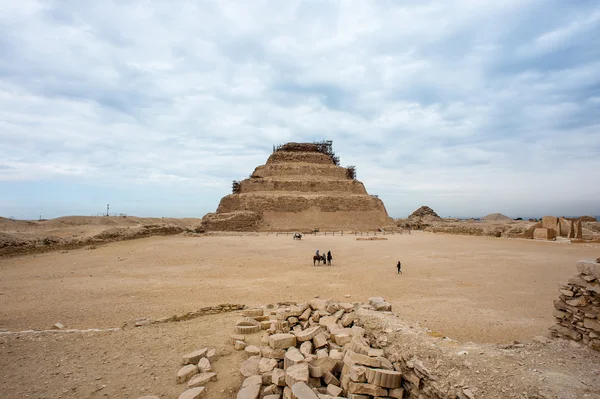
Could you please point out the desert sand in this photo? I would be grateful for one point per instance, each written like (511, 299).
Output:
(468, 288)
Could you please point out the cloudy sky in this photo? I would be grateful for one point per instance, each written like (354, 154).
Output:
(470, 107)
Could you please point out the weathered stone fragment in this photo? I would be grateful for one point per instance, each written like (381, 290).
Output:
(186, 372)
(266, 365)
(300, 390)
(200, 380)
(592, 324)
(320, 340)
(253, 312)
(352, 357)
(380, 304)
(250, 366)
(193, 393)
(366, 389)
(384, 378)
(296, 373)
(333, 390)
(252, 350)
(292, 356)
(194, 357)
(278, 377)
(308, 334)
(237, 337)
(306, 348)
(250, 388)
(282, 341)
(239, 345)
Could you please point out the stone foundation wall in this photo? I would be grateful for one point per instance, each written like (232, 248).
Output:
(578, 308)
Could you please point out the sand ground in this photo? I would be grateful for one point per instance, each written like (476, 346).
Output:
(485, 290)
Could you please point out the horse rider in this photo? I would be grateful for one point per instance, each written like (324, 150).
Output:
(317, 252)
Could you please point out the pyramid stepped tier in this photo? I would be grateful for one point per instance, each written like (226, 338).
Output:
(322, 171)
(301, 187)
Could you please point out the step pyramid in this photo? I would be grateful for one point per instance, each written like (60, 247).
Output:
(300, 188)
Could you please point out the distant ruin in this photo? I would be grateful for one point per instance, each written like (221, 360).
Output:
(552, 227)
(301, 187)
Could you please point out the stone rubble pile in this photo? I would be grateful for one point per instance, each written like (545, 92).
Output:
(208, 310)
(577, 311)
(197, 372)
(316, 350)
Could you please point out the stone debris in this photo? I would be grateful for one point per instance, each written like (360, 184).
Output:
(58, 326)
(316, 351)
(200, 380)
(193, 393)
(577, 310)
(186, 372)
(197, 372)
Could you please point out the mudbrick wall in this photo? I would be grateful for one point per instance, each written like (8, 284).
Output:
(578, 308)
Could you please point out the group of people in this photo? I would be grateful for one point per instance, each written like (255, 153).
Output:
(329, 257)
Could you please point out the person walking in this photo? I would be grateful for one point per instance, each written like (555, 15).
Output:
(399, 266)
(329, 257)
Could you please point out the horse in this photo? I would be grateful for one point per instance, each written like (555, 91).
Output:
(297, 236)
(319, 258)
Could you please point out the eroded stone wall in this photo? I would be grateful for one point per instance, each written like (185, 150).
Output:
(578, 308)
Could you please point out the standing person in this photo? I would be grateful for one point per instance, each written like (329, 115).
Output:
(399, 266)
(329, 257)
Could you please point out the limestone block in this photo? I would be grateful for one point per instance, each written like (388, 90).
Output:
(336, 355)
(329, 378)
(333, 390)
(593, 287)
(352, 357)
(193, 393)
(342, 338)
(384, 378)
(300, 390)
(380, 304)
(200, 380)
(211, 355)
(252, 350)
(366, 389)
(320, 340)
(567, 293)
(297, 373)
(186, 372)
(253, 312)
(315, 371)
(360, 345)
(282, 341)
(266, 365)
(306, 348)
(592, 324)
(375, 352)
(278, 377)
(396, 393)
(327, 320)
(348, 319)
(271, 353)
(236, 337)
(542, 233)
(306, 315)
(250, 388)
(308, 334)
(559, 314)
(327, 364)
(204, 365)
(274, 396)
(239, 345)
(250, 366)
(271, 389)
(321, 353)
(549, 222)
(589, 268)
(292, 357)
(357, 373)
(566, 332)
(577, 302)
(194, 357)
(318, 304)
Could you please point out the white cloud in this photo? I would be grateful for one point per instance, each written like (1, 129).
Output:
(450, 103)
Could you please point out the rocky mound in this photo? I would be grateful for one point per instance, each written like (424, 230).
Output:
(423, 216)
(496, 217)
(300, 188)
